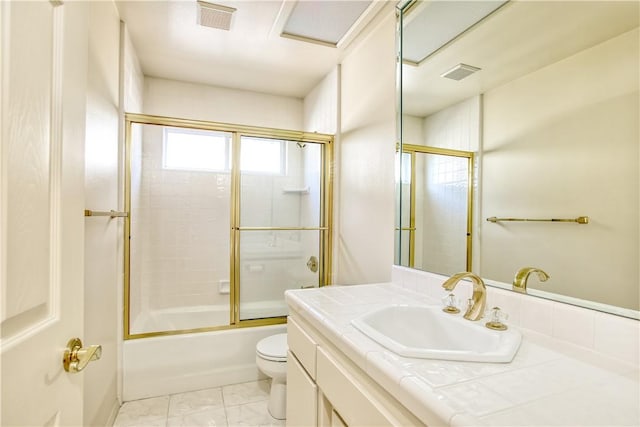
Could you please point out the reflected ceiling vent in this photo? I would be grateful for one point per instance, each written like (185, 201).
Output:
(460, 71)
(215, 15)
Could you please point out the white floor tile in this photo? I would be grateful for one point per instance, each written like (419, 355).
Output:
(229, 406)
(251, 415)
(144, 412)
(195, 401)
(237, 394)
(208, 418)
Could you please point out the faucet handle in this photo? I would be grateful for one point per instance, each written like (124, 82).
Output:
(497, 319)
(451, 303)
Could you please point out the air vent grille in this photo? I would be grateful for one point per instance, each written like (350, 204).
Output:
(460, 71)
(214, 15)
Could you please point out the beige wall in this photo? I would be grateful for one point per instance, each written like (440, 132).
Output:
(199, 102)
(560, 143)
(321, 105)
(102, 235)
(456, 127)
(132, 77)
(412, 129)
(365, 203)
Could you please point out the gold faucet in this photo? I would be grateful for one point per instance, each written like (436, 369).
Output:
(520, 281)
(479, 297)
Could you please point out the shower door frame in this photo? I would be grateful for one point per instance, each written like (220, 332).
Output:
(412, 150)
(237, 131)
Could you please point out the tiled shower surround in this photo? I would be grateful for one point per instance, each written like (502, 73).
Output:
(180, 232)
(180, 245)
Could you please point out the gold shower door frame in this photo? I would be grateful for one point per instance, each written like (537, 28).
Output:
(412, 150)
(238, 131)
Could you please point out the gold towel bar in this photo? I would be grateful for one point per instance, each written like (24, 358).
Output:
(579, 220)
(111, 213)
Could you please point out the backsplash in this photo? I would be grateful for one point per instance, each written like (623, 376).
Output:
(610, 335)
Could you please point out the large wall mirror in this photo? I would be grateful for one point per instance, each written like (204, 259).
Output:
(544, 96)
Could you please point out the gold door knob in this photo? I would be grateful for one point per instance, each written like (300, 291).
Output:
(76, 358)
(312, 264)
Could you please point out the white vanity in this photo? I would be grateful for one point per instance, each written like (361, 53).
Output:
(338, 376)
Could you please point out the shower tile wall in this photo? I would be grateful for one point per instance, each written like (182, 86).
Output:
(442, 185)
(180, 233)
(181, 230)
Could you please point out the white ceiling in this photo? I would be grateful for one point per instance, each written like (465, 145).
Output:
(519, 38)
(251, 56)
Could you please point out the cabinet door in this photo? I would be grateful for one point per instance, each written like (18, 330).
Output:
(302, 395)
(303, 346)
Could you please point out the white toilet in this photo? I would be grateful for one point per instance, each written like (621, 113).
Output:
(271, 358)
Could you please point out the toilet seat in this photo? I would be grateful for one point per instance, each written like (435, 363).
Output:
(273, 348)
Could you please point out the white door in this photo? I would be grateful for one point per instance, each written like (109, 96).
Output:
(43, 82)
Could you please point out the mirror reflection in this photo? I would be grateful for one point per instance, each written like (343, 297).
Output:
(545, 95)
(438, 191)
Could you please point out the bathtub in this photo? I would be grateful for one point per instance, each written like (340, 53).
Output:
(200, 316)
(171, 364)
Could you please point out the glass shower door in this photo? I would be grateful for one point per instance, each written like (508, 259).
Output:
(280, 231)
(436, 190)
(180, 198)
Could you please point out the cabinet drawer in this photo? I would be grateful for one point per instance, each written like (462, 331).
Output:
(303, 346)
(349, 397)
(302, 395)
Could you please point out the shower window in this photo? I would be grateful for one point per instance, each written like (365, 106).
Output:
(223, 219)
(195, 150)
(260, 155)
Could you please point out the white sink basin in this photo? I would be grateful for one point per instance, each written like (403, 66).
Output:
(429, 333)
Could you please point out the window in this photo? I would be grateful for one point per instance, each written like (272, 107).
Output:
(186, 149)
(260, 155)
(196, 150)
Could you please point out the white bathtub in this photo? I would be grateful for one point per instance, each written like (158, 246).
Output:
(177, 363)
(201, 316)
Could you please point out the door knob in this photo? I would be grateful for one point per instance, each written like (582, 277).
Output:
(312, 264)
(76, 357)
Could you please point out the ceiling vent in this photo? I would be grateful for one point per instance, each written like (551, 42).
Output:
(460, 71)
(214, 15)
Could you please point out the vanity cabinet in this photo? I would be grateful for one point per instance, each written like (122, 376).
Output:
(302, 394)
(302, 391)
(325, 388)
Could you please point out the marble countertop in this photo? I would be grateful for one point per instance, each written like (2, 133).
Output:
(548, 383)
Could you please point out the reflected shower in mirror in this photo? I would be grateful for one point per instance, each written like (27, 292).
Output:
(546, 96)
(437, 202)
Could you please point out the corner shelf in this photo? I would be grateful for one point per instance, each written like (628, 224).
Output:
(296, 190)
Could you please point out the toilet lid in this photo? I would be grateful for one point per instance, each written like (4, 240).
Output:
(273, 347)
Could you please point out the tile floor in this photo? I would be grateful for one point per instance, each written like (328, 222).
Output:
(234, 405)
